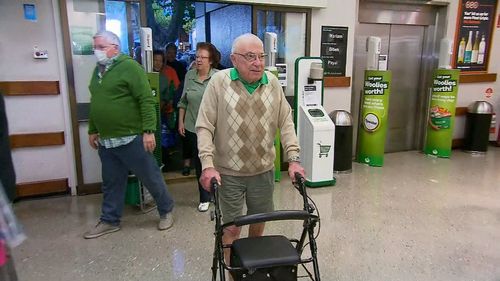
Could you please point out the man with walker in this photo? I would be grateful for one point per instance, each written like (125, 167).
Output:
(241, 111)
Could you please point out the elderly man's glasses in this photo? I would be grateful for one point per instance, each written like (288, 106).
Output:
(251, 57)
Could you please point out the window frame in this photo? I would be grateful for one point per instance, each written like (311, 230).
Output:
(307, 11)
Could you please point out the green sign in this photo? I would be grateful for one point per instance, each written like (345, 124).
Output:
(442, 112)
(374, 112)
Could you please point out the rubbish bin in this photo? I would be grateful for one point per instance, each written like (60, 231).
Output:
(477, 127)
(342, 156)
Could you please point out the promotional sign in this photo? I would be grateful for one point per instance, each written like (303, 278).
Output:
(282, 74)
(473, 37)
(374, 112)
(334, 49)
(442, 112)
(311, 96)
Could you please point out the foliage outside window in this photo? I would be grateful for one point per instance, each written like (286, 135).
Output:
(170, 20)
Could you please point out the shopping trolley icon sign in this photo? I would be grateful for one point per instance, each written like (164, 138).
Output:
(323, 149)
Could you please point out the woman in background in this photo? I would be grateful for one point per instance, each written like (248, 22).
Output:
(194, 86)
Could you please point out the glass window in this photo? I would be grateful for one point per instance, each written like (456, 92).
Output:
(123, 19)
(290, 27)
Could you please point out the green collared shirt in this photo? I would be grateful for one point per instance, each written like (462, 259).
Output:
(106, 67)
(192, 95)
(251, 87)
(116, 142)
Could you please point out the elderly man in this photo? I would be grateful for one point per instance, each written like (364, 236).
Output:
(241, 111)
(121, 127)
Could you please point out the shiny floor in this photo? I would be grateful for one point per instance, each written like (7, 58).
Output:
(417, 218)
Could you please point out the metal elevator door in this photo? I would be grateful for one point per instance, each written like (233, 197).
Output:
(403, 44)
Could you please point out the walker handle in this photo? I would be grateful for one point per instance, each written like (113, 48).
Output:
(299, 178)
(299, 183)
(213, 185)
(301, 187)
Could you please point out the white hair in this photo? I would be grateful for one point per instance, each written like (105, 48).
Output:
(109, 36)
(247, 37)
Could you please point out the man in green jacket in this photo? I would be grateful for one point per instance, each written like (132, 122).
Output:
(121, 127)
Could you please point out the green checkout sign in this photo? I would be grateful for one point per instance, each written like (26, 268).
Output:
(442, 112)
(374, 111)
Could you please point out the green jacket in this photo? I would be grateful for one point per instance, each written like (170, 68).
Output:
(121, 102)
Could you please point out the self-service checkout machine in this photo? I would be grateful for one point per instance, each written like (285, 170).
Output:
(315, 130)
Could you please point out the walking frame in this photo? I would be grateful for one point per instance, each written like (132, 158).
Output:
(273, 257)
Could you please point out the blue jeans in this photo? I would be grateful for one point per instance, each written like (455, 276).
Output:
(116, 164)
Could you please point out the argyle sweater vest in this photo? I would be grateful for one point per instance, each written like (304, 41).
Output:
(236, 129)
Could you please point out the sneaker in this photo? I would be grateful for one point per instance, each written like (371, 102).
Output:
(186, 171)
(101, 229)
(203, 207)
(167, 222)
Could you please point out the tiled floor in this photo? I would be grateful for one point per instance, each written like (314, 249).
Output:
(417, 218)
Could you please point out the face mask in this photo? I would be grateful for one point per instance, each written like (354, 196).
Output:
(101, 56)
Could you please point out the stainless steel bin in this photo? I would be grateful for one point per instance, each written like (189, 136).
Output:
(342, 156)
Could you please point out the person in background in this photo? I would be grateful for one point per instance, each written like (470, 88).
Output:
(219, 66)
(122, 122)
(180, 69)
(194, 86)
(169, 83)
(171, 58)
(241, 111)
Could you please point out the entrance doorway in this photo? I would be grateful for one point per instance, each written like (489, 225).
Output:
(83, 20)
(218, 23)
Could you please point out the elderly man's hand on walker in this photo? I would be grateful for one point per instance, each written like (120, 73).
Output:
(206, 177)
